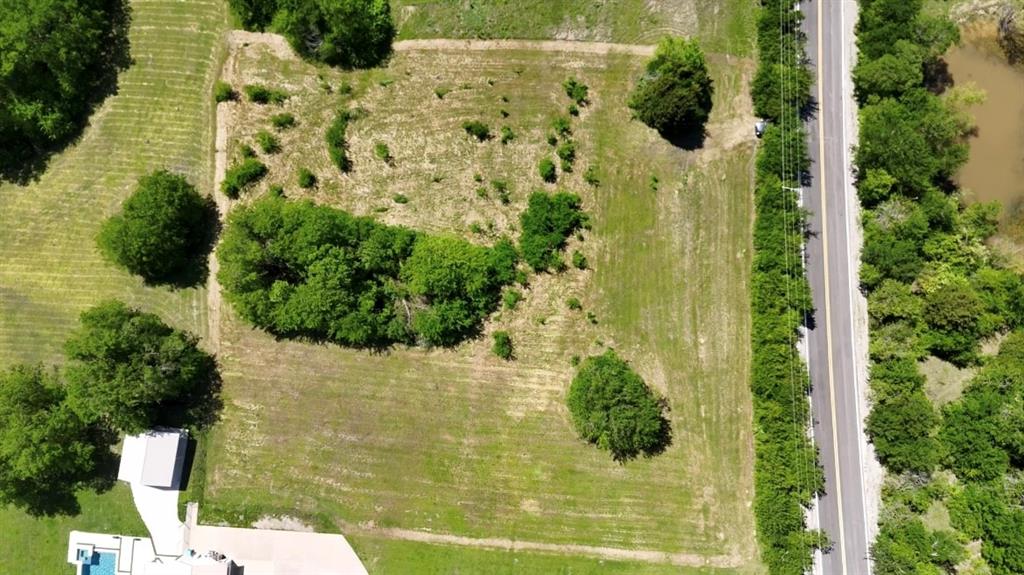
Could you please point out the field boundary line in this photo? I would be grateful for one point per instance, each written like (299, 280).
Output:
(610, 553)
(536, 45)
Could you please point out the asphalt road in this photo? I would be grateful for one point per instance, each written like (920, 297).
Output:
(831, 269)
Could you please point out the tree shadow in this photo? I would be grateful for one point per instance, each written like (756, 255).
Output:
(200, 408)
(24, 158)
(195, 269)
(937, 77)
(688, 140)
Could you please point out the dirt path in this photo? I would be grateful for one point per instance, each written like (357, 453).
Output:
(538, 45)
(610, 553)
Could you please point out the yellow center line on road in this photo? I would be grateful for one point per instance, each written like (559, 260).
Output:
(828, 297)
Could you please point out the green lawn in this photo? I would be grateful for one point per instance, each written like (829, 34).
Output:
(458, 442)
(40, 546)
(723, 26)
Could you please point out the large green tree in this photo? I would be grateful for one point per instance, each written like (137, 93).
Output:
(47, 452)
(345, 33)
(163, 232)
(131, 371)
(613, 408)
(57, 58)
(674, 95)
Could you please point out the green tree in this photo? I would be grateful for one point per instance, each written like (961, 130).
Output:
(59, 58)
(905, 546)
(254, 14)
(503, 345)
(345, 33)
(674, 95)
(164, 231)
(546, 224)
(131, 371)
(47, 452)
(613, 408)
(892, 74)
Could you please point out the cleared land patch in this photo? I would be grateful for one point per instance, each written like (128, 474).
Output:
(459, 442)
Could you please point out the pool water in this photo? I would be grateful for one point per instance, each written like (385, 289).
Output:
(100, 564)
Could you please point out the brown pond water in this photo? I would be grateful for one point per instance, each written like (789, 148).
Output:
(995, 170)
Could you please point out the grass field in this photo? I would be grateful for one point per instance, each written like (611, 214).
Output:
(721, 26)
(160, 118)
(458, 442)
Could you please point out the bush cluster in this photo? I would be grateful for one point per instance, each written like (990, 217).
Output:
(477, 129)
(337, 146)
(547, 222)
(282, 121)
(613, 408)
(260, 94)
(223, 92)
(301, 270)
(242, 175)
(786, 470)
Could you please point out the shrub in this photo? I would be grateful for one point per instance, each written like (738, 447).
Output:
(307, 179)
(246, 151)
(242, 175)
(674, 95)
(552, 140)
(613, 408)
(481, 192)
(477, 129)
(162, 232)
(546, 224)
(573, 110)
(345, 33)
(507, 135)
(503, 345)
(503, 112)
(282, 121)
(574, 304)
(590, 176)
(260, 94)
(511, 298)
(547, 170)
(501, 187)
(223, 92)
(268, 142)
(576, 90)
(383, 152)
(337, 147)
(579, 261)
(441, 92)
(567, 152)
(561, 126)
(400, 199)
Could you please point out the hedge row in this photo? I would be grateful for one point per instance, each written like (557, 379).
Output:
(786, 470)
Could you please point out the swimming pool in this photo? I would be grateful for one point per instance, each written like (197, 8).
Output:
(100, 564)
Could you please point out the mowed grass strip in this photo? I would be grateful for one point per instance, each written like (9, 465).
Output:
(160, 118)
(721, 26)
(459, 441)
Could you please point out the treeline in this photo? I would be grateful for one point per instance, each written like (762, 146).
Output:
(298, 269)
(786, 470)
(345, 33)
(934, 288)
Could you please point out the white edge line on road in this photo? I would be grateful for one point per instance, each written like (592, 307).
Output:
(847, 186)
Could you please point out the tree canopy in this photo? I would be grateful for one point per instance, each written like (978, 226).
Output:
(345, 33)
(674, 95)
(59, 58)
(163, 232)
(613, 408)
(129, 370)
(547, 223)
(302, 270)
(47, 452)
